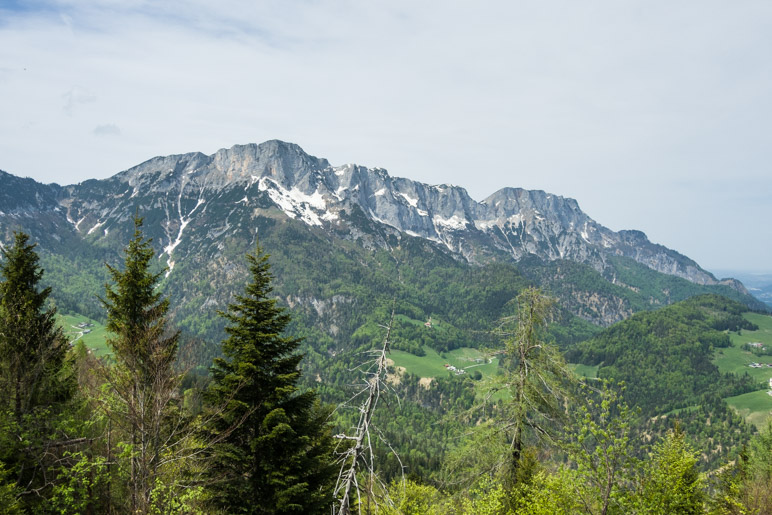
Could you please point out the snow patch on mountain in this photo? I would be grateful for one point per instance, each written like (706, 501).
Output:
(96, 226)
(484, 225)
(413, 202)
(343, 170)
(514, 221)
(294, 202)
(454, 222)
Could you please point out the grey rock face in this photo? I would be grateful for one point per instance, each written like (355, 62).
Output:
(18, 196)
(193, 197)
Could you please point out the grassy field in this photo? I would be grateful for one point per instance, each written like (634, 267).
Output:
(588, 371)
(94, 340)
(754, 406)
(437, 325)
(433, 364)
(736, 360)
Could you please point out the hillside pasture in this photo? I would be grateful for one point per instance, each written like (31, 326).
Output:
(737, 360)
(586, 371)
(756, 406)
(95, 339)
(433, 363)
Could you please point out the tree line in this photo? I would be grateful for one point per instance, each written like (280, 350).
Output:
(134, 433)
(117, 435)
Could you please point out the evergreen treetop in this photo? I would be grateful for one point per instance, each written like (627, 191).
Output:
(136, 312)
(276, 454)
(32, 344)
(143, 383)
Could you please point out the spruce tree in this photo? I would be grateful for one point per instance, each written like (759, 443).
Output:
(34, 378)
(33, 347)
(275, 452)
(142, 381)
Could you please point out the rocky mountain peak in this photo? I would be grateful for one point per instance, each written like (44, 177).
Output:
(285, 163)
(18, 194)
(189, 189)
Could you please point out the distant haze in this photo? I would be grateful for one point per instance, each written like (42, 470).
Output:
(654, 116)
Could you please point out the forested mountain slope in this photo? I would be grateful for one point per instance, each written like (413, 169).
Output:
(665, 358)
(666, 355)
(344, 240)
(341, 265)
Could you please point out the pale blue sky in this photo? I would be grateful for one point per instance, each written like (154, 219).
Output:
(655, 116)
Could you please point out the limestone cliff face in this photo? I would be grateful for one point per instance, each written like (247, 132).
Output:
(194, 197)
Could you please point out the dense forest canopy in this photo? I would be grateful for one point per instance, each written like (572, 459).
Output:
(266, 420)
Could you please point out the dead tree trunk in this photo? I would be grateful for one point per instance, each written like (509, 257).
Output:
(353, 457)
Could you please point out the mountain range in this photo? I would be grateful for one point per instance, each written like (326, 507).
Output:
(204, 211)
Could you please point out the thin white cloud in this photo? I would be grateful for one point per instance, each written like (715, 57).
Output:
(108, 129)
(76, 96)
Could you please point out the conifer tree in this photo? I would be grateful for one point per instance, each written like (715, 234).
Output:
(33, 347)
(536, 377)
(34, 381)
(278, 457)
(143, 383)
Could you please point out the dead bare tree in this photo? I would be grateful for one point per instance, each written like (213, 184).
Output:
(355, 451)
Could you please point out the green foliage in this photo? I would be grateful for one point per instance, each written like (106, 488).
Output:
(666, 359)
(537, 377)
(486, 498)
(671, 481)
(76, 492)
(712, 426)
(483, 451)
(411, 498)
(665, 356)
(166, 499)
(274, 445)
(548, 494)
(136, 313)
(602, 453)
(76, 277)
(34, 374)
(141, 385)
(537, 385)
(745, 486)
(32, 346)
(275, 450)
(9, 493)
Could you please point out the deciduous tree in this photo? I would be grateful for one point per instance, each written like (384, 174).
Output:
(671, 481)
